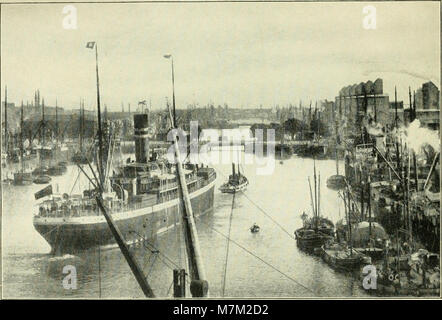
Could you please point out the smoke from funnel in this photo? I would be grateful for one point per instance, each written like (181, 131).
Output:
(416, 137)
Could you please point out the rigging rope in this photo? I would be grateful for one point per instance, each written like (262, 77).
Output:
(265, 213)
(258, 258)
(228, 245)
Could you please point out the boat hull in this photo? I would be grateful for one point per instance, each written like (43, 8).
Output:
(310, 243)
(69, 235)
(234, 189)
(344, 263)
(22, 179)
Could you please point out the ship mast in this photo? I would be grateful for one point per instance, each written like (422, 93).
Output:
(42, 141)
(100, 132)
(133, 264)
(56, 121)
(199, 286)
(22, 153)
(316, 198)
(56, 130)
(6, 120)
(80, 119)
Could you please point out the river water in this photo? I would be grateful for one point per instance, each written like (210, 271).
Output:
(266, 264)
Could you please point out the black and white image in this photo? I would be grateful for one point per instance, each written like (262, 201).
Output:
(222, 150)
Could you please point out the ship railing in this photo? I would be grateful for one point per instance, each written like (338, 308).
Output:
(57, 209)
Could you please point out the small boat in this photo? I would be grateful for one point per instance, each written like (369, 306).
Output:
(79, 158)
(42, 179)
(255, 228)
(7, 180)
(342, 257)
(57, 170)
(63, 164)
(237, 182)
(22, 178)
(336, 182)
(42, 170)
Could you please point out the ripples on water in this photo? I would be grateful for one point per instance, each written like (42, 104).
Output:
(29, 271)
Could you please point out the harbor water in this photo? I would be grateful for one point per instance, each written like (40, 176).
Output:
(264, 264)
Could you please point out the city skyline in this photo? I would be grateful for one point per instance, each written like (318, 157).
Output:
(237, 54)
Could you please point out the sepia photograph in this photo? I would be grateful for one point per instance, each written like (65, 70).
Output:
(220, 150)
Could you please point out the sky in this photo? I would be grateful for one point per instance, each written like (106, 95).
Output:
(242, 54)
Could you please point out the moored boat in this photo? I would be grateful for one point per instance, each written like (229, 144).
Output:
(57, 170)
(317, 230)
(339, 256)
(310, 239)
(336, 182)
(42, 179)
(23, 178)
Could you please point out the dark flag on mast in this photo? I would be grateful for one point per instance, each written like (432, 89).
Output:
(90, 45)
(43, 192)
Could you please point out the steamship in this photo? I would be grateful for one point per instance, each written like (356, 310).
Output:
(141, 196)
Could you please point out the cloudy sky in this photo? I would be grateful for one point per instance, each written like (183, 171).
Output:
(243, 54)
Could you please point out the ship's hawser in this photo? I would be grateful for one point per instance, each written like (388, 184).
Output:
(142, 197)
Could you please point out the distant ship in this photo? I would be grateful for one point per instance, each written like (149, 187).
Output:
(141, 196)
(236, 182)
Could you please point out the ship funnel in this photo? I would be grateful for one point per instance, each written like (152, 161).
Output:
(141, 138)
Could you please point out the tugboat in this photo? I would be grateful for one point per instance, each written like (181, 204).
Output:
(237, 182)
(316, 231)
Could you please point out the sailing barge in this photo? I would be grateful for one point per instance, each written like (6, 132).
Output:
(317, 230)
(142, 198)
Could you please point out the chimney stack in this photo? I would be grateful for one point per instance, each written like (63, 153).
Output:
(141, 138)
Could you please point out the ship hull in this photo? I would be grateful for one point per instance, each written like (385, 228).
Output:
(70, 235)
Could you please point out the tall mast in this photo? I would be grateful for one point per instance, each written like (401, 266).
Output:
(83, 124)
(395, 108)
(411, 106)
(56, 122)
(416, 180)
(100, 133)
(349, 223)
(336, 134)
(80, 127)
(369, 207)
(316, 198)
(21, 139)
(311, 198)
(199, 284)
(6, 119)
(319, 195)
(43, 122)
